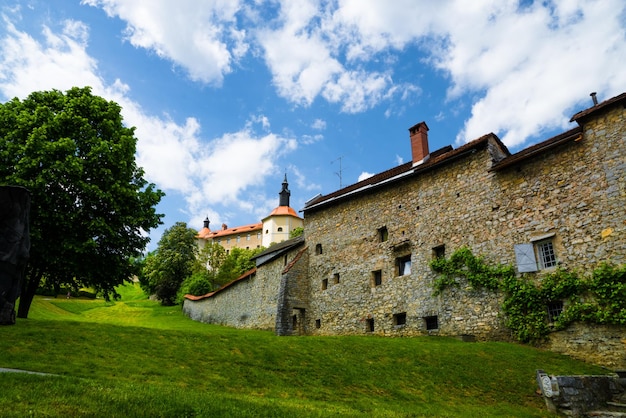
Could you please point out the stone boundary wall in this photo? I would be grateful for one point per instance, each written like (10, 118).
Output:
(246, 303)
(249, 303)
(598, 344)
(581, 396)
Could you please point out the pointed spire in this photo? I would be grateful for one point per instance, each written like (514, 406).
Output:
(284, 193)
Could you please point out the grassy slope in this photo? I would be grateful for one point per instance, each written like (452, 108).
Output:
(136, 358)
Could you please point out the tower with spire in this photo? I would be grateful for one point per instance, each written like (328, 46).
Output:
(282, 220)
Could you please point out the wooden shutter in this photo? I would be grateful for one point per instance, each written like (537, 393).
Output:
(525, 257)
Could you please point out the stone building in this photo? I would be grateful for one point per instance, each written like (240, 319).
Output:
(561, 202)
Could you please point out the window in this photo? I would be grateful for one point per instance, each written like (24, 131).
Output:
(554, 310)
(258, 235)
(404, 265)
(285, 260)
(324, 284)
(439, 251)
(336, 278)
(432, 322)
(318, 323)
(377, 278)
(536, 256)
(238, 238)
(318, 248)
(545, 253)
(248, 237)
(399, 319)
(227, 240)
(369, 325)
(280, 229)
(383, 234)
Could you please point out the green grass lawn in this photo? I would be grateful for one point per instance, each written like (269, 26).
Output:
(136, 358)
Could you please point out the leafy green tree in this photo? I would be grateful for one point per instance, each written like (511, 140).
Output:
(172, 262)
(209, 262)
(296, 232)
(236, 263)
(90, 205)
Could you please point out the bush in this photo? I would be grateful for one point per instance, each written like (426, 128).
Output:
(197, 284)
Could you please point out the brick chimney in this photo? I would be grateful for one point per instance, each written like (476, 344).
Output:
(419, 142)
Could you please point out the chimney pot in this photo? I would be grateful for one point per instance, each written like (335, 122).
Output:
(594, 98)
(419, 143)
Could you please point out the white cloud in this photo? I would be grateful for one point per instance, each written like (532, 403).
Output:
(174, 156)
(532, 66)
(59, 61)
(319, 124)
(528, 67)
(199, 35)
(364, 175)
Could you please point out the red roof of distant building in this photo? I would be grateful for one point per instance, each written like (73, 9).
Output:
(283, 210)
(245, 229)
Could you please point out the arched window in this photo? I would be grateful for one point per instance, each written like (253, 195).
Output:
(280, 229)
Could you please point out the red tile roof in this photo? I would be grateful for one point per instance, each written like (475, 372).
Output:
(245, 229)
(283, 210)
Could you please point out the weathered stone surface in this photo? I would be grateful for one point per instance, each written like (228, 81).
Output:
(574, 193)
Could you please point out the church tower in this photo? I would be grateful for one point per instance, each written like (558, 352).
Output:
(282, 220)
(284, 193)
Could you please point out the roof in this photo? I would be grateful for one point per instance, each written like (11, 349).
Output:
(230, 231)
(605, 105)
(248, 274)
(284, 211)
(436, 159)
(277, 250)
(573, 135)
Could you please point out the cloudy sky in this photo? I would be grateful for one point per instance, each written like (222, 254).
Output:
(229, 95)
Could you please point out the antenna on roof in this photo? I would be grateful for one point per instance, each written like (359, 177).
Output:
(340, 172)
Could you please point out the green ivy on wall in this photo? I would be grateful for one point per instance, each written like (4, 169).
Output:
(600, 299)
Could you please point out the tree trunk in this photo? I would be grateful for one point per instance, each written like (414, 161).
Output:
(29, 288)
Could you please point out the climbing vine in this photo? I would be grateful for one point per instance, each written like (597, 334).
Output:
(600, 299)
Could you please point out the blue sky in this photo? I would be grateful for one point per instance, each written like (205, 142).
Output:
(229, 95)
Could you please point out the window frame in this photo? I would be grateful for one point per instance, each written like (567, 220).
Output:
(403, 264)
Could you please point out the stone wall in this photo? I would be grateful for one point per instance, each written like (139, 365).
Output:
(581, 396)
(575, 194)
(598, 344)
(348, 279)
(249, 302)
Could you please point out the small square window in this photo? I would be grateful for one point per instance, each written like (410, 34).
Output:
(554, 310)
(324, 284)
(318, 323)
(377, 278)
(280, 229)
(369, 323)
(336, 278)
(404, 265)
(432, 322)
(399, 318)
(383, 234)
(439, 251)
